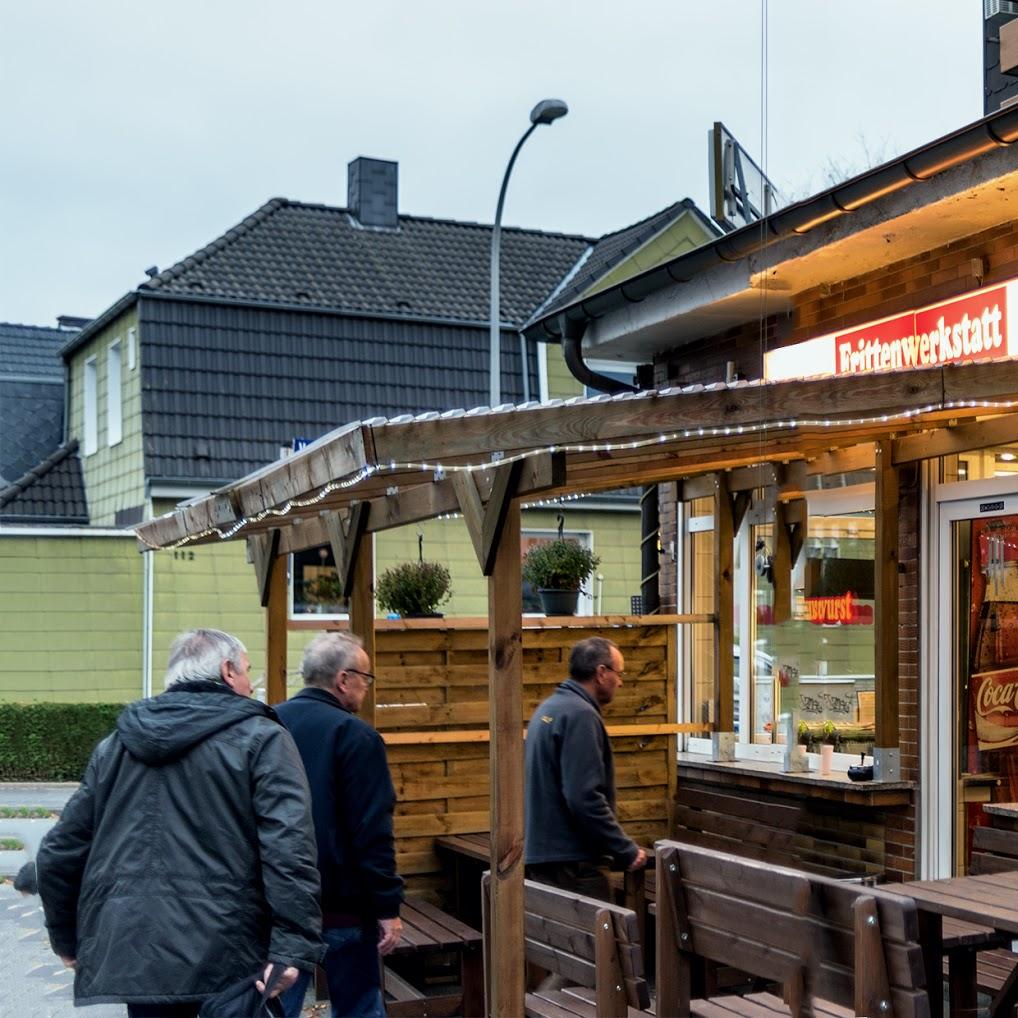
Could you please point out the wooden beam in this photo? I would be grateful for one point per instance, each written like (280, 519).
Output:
(362, 611)
(262, 550)
(843, 461)
(985, 434)
(276, 609)
(484, 521)
(885, 608)
(781, 566)
(505, 677)
(345, 533)
(724, 608)
(426, 501)
(483, 735)
(741, 502)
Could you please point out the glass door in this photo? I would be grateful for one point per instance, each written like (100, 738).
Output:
(974, 735)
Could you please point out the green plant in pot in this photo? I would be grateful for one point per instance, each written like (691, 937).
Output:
(557, 570)
(414, 589)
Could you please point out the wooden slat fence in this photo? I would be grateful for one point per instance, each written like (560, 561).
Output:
(435, 679)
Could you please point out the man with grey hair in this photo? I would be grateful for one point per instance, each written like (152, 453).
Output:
(352, 801)
(185, 862)
(571, 827)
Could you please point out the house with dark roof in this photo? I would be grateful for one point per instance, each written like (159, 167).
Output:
(298, 319)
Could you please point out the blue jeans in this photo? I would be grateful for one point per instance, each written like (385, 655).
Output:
(353, 971)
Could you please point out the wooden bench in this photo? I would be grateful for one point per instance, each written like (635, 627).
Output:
(830, 945)
(428, 932)
(591, 944)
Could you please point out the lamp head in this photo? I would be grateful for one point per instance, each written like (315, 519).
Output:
(548, 110)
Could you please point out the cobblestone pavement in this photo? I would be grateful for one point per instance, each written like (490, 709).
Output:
(33, 982)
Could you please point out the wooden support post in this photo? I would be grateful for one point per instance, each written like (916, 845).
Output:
(362, 610)
(275, 630)
(505, 677)
(886, 758)
(781, 566)
(724, 607)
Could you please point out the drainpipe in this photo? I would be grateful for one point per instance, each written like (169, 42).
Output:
(650, 563)
(148, 586)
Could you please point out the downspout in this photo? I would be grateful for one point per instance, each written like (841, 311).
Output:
(650, 562)
(148, 587)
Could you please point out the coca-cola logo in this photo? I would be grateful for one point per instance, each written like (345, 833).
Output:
(997, 697)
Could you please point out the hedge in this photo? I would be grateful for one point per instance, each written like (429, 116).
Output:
(51, 741)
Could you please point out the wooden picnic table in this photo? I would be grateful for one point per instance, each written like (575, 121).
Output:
(989, 899)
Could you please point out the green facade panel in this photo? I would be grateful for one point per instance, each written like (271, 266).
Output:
(114, 474)
(72, 618)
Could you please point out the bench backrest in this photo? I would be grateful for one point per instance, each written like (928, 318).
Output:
(993, 850)
(730, 910)
(851, 945)
(865, 949)
(588, 942)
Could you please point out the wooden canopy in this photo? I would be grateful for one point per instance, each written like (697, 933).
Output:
(721, 441)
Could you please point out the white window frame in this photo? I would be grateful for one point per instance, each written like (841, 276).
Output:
(829, 502)
(132, 356)
(114, 393)
(90, 407)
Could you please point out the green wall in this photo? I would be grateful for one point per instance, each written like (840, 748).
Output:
(114, 475)
(682, 235)
(71, 610)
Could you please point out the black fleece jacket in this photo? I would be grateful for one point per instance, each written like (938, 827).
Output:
(185, 859)
(352, 800)
(570, 783)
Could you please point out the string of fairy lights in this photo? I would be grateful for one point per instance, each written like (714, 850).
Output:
(441, 470)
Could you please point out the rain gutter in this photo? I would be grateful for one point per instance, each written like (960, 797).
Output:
(999, 129)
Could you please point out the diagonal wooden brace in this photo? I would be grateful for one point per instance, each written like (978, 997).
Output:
(345, 534)
(262, 550)
(485, 520)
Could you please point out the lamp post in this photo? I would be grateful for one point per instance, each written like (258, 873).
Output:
(545, 112)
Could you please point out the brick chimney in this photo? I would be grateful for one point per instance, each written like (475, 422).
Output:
(371, 186)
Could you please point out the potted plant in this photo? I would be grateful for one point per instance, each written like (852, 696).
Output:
(805, 736)
(414, 589)
(557, 570)
(324, 591)
(829, 739)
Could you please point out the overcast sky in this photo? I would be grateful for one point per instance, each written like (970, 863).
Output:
(134, 133)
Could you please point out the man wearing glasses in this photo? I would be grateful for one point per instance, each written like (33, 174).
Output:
(571, 827)
(352, 801)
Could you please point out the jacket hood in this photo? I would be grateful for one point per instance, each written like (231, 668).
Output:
(164, 728)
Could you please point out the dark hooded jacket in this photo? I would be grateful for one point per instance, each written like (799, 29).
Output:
(186, 859)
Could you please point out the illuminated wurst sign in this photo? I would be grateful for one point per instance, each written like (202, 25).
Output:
(843, 610)
(969, 328)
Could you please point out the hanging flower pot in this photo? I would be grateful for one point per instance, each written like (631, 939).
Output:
(557, 570)
(413, 589)
(558, 602)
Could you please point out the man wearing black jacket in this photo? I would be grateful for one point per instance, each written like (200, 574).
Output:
(352, 801)
(571, 826)
(185, 860)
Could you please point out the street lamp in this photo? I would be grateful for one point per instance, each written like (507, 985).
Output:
(545, 112)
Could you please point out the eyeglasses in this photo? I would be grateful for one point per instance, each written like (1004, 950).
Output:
(611, 668)
(368, 677)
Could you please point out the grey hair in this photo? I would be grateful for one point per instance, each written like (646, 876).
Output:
(587, 655)
(200, 653)
(328, 654)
